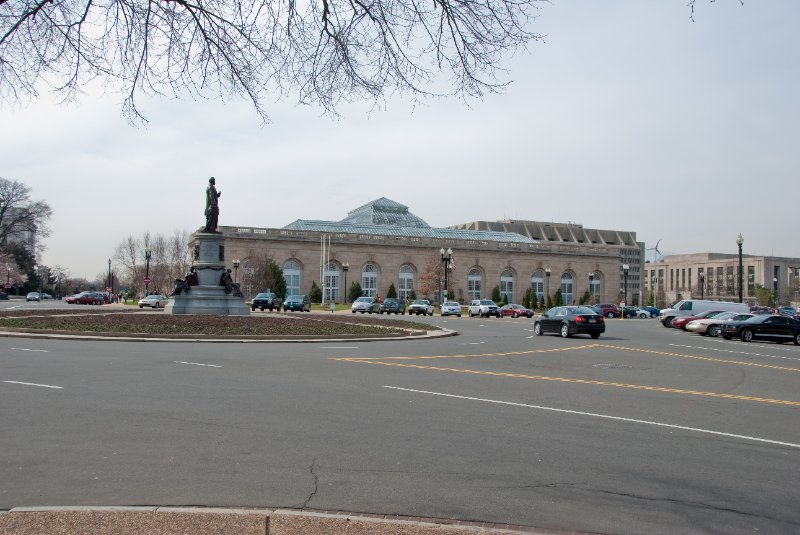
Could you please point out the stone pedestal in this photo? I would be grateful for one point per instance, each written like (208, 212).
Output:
(208, 297)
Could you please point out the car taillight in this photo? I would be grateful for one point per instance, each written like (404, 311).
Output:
(580, 319)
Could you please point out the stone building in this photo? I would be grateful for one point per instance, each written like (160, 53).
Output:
(382, 243)
(716, 276)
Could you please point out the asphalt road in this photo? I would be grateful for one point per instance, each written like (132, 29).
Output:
(646, 430)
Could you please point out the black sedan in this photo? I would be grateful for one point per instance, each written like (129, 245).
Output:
(391, 305)
(780, 329)
(567, 321)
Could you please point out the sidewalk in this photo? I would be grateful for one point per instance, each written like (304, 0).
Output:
(208, 521)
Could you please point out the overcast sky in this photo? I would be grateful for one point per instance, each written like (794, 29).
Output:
(629, 117)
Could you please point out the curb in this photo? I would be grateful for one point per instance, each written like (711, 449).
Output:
(111, 520)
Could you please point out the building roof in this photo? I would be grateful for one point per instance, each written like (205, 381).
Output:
(334, 227)
(382, 212)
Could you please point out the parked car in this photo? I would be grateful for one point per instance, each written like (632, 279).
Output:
(515, 311)
(632, 312)
(570, 320)
(266, 300)
(297, 303)
(365, 304)
(391, 305)
(787, 311)
(3, 296)
(780, 329)
(421, 306)
(609, 310)
(758, 310)
(451, 308)
(693, 307)
(85, 298)
(654, 312)
(711, 326)
(681, 322)
(32, 296)
(483, 308)
(153, 301)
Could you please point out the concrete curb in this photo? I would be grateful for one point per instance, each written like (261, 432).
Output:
(183, 338)
(111, 520)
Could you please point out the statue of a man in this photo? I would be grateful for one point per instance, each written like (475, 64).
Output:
(212, 206)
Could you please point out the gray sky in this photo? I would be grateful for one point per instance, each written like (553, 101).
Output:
(629, 117)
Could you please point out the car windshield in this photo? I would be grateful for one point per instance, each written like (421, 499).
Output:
(420, 302)
(487, 302)
(451, 304)
(363, 299)
(263, 295)
(757, 319)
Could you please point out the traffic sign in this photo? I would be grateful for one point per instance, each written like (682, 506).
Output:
(147, 280)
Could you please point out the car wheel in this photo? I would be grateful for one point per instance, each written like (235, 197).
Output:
(353, 311)
(141, 306)
(431, 314)
(514, 315)
(595, 335)
(668, 322)
(157, 305)
(253, 309)
(796, 339)
(459, 315)
(746, 335)
(537, 329)
(564, 330)
(610, 315)
(713, 331)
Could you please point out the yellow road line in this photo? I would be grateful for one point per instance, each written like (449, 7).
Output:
(694, 357)
(510, 353)
(578, 381)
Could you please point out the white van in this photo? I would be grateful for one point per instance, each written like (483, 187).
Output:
(691, 307)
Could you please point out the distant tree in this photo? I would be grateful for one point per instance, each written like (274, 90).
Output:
(549, 304)
(278, 280)
(19, 214)
(170, 258)
(431, 276)
(315, 294)
(765, 296)
(355, 291)
(392, 292)
(586, 298)
(496, 297)
(412, 295)
(558, 300)
(505, 299)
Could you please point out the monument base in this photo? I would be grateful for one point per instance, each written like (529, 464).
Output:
(208, 296)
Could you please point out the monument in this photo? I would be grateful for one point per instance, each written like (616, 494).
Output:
(208, 287)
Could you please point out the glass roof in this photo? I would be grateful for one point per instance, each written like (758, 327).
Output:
(384, 211)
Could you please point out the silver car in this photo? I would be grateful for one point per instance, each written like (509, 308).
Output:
(154, 301)
(451, 308)
(365, 304)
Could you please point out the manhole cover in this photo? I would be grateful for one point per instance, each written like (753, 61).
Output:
(611, 366)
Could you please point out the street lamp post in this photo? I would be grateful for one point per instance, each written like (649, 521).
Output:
(446, 257)
(345, 268)
(235, 269)
(547, 285)
(8, 277)
(147, 254)
(625, 268)
(109, 279)
(591, 286)
(702, 285)
(775, 291)
(739, 242)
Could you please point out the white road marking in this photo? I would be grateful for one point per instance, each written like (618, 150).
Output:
(33, 384)
(604, 416)
(24, 349)
(472, 343)
(197, 364)
(531, 336)
(735, 352)
(338, 347)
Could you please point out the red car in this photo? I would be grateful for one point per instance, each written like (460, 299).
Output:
(682, 321)
(515, 311)
(84, 298)
(609, 310)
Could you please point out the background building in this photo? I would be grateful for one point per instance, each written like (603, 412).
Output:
(382, 243)
(716, 276)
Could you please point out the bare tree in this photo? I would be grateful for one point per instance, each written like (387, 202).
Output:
(169, 259)
(18, 213)
(325, 51)
(431, 277)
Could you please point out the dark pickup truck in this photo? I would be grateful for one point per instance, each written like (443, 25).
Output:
(266, 300)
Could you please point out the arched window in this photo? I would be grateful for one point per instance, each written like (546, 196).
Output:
(507, 285)
(331, 282)
(594, 286)
(567, 288)
(369, 280)
(537, 283)
(292, 272)
(406, 281)
(474, 283)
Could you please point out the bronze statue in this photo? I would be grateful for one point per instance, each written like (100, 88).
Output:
(227, 281)
(212, 206)
(184, 285)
